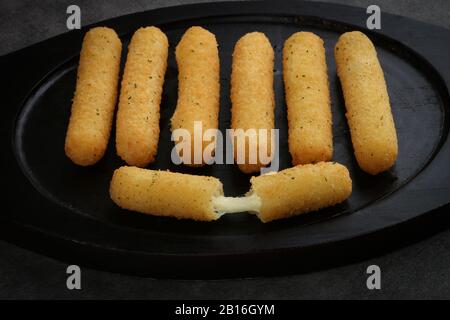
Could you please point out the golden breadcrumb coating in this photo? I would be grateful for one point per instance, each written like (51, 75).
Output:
(137, 124)
(164, 193)
(369, 113)
(301, 189)
(95, 97)
(198, 84)
(307, 98)
(252, 94)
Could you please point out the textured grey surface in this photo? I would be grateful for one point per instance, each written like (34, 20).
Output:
(420, 270)
(416, 272)
(24, 22)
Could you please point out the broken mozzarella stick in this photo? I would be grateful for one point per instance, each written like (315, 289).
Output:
(95, 97)
(366, 98)
(197, 107)
(253, 101)
(300, 189)
(307, 98)
(137, 124)
(164, 193)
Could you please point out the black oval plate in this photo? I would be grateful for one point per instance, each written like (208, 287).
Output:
(65, 210)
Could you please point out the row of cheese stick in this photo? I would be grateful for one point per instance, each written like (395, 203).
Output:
(252, 95)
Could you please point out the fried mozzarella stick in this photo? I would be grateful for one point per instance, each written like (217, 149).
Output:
(308, 99)
(198, 89)
(369, 113)
(95, 97)
(272, 196)
(137, 124)
(301, 189)
(164, 193)
(252, 98)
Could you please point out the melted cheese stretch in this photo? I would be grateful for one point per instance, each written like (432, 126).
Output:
(287, 193)
(251, 203)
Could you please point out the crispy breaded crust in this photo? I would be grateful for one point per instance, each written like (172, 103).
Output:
(252, 93)
(95, 97)
(369, 113)
(164, 193)
(308, 99)
(301, 189)
(198, 83)
(137, 124)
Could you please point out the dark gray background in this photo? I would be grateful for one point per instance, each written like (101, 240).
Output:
(420, 270)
